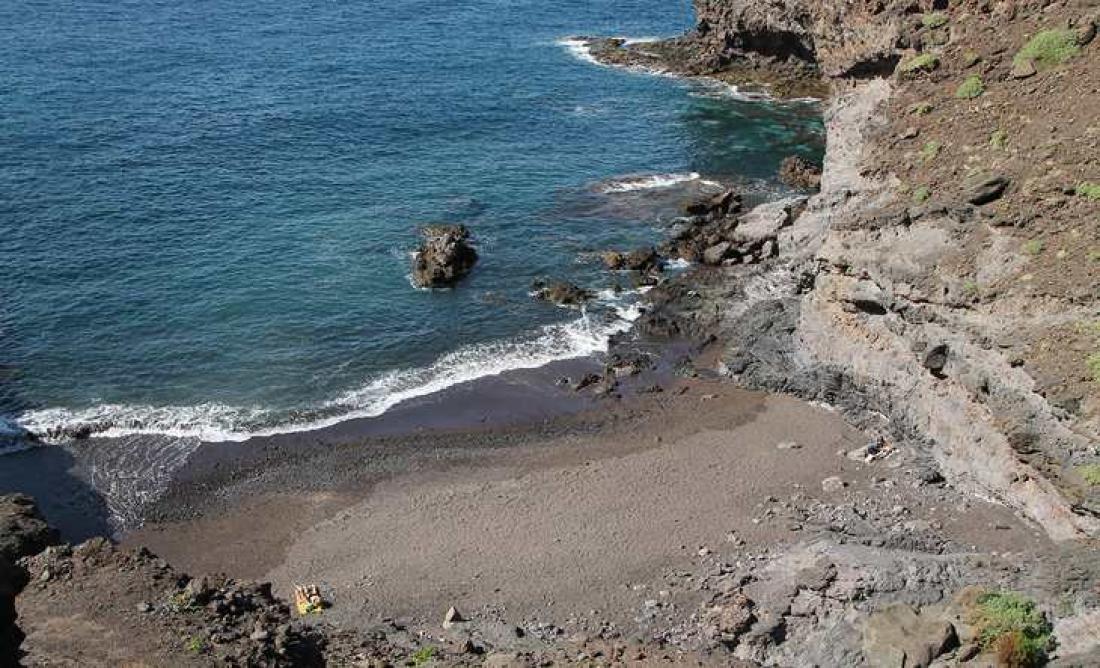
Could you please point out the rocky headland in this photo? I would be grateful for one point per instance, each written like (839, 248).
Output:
(936, 287)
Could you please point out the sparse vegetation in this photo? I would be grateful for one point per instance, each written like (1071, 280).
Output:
(1049, 48)
(926, 62)
(1093, 363)
(195, 645)
(921, 194)
(921, 109)
(936, 20)
(423, 656)
(180, 602)
(998, 140)
(970, 59)
(930, 151)
(1089, 190)
(1091, 472)
(1013, 626)
(971, 88)
(1034, 247)
(1094, 255)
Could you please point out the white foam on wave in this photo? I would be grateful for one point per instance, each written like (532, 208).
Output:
(580, 49)
(649, 182)
(587, 335)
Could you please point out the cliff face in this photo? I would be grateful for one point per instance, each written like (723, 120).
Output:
(926, 318)
(842, 38)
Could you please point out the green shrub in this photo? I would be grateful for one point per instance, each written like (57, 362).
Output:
(921, 194)
(970, 59)
(1049, 48)
(1010, 623)
(195, 645)
(1094, 255)
(971, 88)
(1093, 363)
(930, 150)
(998, 140)
(1091, 472)
(921, 109)
(423, 656)
(936, 20)
(1089, 190)
(1034, 247)
(926, 62)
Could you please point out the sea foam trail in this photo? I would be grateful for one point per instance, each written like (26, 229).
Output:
(586, 335)
(635, 183)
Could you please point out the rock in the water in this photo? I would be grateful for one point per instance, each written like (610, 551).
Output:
(642, 259)
(444, 257)
(798, 172)
(562, 294)
(613, 259)
(985, 189)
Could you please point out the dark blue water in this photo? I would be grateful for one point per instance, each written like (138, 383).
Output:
(207, 208)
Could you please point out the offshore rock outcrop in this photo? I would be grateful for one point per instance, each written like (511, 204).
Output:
(444, 257)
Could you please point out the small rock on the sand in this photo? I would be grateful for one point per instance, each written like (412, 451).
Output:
(833, 484)
(452, 617)
(144, 607)
(788, 445)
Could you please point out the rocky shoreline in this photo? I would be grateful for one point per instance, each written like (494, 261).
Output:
(967, 494)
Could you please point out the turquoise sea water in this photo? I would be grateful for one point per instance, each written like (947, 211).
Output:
(207, 208)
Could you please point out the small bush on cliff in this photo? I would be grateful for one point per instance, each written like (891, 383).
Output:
(1093, 363)
(921, 109)
(936, 20)
(1013, 626)
(930, 150)
(971, 88)
(921, 194)
(1089, 190)
(1034, 247)
(998, 140)
(1091, 472)
(926, 62)
(1049, 48)
(422, 656)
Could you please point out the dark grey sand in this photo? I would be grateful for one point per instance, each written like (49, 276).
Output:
(543, 521)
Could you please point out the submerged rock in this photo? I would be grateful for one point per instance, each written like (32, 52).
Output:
(444, 257)
(562, 294)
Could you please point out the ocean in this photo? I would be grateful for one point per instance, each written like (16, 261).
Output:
(207, 209)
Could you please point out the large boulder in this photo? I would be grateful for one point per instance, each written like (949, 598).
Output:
(798, 172)
(444, 257)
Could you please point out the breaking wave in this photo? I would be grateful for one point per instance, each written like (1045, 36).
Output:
(635, 183)
(587, 335)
